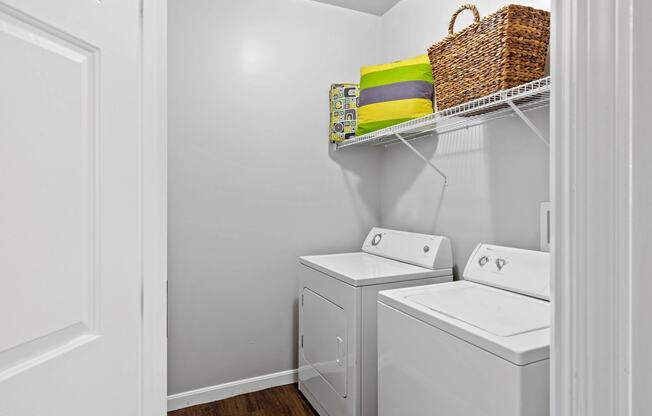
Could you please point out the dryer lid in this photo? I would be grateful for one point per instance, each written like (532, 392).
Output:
(514, 269)
(363, 269)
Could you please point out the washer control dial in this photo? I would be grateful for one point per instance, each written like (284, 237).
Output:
(483, 260)
(376, 240)
(500, 263)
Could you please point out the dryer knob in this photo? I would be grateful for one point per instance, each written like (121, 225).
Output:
(483, 260)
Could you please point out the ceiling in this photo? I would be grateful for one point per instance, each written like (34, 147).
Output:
(377, 7)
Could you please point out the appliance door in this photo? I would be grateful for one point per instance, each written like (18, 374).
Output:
(324, 339)
(328, 343)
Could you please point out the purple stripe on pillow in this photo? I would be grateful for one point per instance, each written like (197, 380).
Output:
(398, 91)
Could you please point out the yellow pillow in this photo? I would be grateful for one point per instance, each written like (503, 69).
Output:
(394, 93)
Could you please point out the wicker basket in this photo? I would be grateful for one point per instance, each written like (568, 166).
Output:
(501, 51)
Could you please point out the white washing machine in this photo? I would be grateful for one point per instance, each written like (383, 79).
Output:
(475, 347)
(337, 318)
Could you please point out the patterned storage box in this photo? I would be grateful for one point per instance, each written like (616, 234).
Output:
(344, 111)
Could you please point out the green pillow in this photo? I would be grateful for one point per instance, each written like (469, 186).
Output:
(394, 93)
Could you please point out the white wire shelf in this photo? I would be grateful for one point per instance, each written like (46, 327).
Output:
(517, 100)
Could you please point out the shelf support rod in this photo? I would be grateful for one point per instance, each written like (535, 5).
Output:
(527, 121)
(422, 157)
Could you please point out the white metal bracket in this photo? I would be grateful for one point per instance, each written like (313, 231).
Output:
(422, 157)
(527, 121)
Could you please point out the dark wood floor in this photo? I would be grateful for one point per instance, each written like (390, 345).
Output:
(277, 401)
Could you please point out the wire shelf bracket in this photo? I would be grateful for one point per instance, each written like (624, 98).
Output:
(528, 122)
(422, 157)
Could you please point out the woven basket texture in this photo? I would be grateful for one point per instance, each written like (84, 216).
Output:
(501, 51)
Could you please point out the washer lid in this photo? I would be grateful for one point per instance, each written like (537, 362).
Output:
(362, 269)
(498, 312)
(512, 326)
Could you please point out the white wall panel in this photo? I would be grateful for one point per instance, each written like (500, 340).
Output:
(498, 172)
(253, 183)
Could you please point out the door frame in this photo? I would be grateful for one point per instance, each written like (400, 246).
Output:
(592, 181)
(598, 229)
(153, 148)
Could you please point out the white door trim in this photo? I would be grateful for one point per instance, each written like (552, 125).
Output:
(591, 189)
(641, 214)
(154, 208)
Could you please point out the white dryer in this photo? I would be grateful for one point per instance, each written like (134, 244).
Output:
(337, 318)
(476, 347)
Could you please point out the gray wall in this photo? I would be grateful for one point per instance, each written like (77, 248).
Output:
(498, 172)
(252, 182)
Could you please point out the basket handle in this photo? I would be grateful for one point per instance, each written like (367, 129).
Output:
(476, 16)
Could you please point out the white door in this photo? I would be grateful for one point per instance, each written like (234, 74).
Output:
(70, 280)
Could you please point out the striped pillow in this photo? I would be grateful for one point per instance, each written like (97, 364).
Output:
(393, 93)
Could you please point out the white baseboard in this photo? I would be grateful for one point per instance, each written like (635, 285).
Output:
(234, 388)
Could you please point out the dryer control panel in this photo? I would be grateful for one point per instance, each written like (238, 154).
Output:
(514, 269)
(425, 250)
